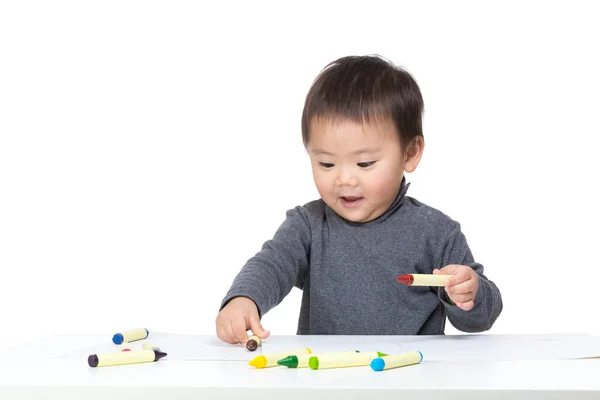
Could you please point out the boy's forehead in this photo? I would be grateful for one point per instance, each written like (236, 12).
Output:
(324, 129)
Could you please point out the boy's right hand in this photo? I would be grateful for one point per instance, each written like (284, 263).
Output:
(236, 318)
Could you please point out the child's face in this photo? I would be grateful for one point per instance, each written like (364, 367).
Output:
(357, 168)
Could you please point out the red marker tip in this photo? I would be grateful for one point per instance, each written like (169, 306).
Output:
(406, 279)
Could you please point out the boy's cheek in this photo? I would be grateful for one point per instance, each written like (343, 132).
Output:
(321, 184)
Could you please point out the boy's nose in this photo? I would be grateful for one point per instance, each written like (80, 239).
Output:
(346, 178)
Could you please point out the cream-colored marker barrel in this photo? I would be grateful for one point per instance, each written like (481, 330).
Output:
(303, 360)
(396, 360)
(123, 357)
(342, 359)
(131, 335)
(429, 280)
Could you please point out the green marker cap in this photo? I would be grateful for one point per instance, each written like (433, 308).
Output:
(289, 361)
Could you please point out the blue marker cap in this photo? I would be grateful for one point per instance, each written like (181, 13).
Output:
(378, 364)
(421, 356)
(117, 338)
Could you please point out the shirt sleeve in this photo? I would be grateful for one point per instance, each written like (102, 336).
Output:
(487, 302)
(280, 265)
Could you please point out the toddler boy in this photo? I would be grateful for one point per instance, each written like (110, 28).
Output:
(362, 128)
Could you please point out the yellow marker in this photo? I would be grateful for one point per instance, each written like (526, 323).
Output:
(131, 335)
(125, 346)
(396, 360)
(343, 359)
(253, 343)
(423, 279)
(270, 360)
(124, 357)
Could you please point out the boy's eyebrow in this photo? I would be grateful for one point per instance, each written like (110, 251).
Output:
(366, 150)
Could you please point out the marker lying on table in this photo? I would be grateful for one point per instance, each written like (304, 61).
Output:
(124, 357)
(396, 360)
(302, 360)
(253, 343)
(295, 361)
(343, 359)
(270, 360)
(130, 336)
(423, 279)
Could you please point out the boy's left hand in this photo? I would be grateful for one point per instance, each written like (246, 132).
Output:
(462, 286)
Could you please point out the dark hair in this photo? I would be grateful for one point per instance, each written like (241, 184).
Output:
(365, 89)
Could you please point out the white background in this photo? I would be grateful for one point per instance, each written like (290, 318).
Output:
(148, 149)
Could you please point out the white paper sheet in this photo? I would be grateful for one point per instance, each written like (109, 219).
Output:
(453, 347)
(322, 344)
(483, 347)
(504, 348)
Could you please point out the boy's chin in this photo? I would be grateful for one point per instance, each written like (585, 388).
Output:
(357, 216)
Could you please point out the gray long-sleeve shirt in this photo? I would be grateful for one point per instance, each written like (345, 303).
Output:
(348, 271)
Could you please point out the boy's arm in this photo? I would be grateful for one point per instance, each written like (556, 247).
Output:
(282, 262)
(487, 301)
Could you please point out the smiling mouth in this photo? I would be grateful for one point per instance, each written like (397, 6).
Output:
(350, 199)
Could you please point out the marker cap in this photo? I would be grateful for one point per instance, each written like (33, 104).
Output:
(117, 338)
(378, 364)
(258, 362)
(290, 362)
(93, 361)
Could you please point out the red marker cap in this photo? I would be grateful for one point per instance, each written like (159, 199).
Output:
(406, 279)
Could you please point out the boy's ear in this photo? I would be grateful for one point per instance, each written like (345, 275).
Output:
(413, 153)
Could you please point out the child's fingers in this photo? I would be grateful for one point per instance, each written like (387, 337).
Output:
(257, 329)
(239, 330)
(447, 270)
(222, 333)
(462, 287)
(466, 305)
(459, 277)
(461, 298)
(229, 335)
(233, 330)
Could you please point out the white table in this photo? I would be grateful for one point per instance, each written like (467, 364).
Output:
(45, 377)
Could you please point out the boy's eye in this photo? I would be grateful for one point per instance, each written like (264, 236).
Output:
(326, 165)
(365, 164)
